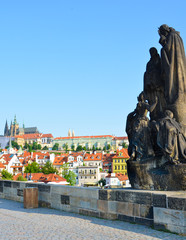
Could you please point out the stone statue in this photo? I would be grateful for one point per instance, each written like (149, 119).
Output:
(171, 139)
(173, 71)
(138, 130)
(153, 84)
(157, 147)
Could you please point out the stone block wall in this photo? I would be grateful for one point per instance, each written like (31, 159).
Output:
(162, 210)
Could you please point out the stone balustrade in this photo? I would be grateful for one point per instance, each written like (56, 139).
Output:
(160, 209)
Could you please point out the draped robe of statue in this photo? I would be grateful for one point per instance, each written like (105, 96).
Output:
(174, 74)
(170, 138)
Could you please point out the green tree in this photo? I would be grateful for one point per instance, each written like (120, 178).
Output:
(79, 148)
(69, 175)
(26, 146)
(104, 148)
(102, 182)
(65, 146)
(34, 146)
(93, 148)
(71, 178)
(49, 168)
(56, 146)
(29, 148)
(108, 147)
(32, 168)
(39, 146)
(84, 148)
(45, 148)
(6, 175)
(15, 145)
(73, 147)
(65, 169)
(21, 178)
(124, 145)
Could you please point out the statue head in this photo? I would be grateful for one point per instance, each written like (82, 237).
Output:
(168, 113)
(164, 30)
(153, 51)
(141, 97)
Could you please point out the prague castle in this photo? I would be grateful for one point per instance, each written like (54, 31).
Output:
(15, 130)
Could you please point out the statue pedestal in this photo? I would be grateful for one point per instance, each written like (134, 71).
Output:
(152, 175)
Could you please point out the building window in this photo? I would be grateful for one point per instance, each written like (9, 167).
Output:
(115, 167)
(122, 167)
(118, 167)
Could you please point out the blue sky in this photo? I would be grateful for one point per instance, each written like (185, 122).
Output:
(78, 64)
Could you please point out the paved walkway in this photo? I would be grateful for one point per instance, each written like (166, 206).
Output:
(43, 223)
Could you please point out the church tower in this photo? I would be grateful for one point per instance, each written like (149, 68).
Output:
(14, 128)
(69, 133)
(6, 130)
(73, 134)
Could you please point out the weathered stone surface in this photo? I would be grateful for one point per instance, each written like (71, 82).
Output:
(108, 195)
(65, 200)
(110, 216)
(136, 210)
(122, 217)
(144, 221)
(15, 184)
(146, 211)
(134, 197)
(44, 204)
(177, 203)
(102, 206)
(169, 178)
(20, 192)
(1, 189)
(159, 200)
(7, 184)
(1, 183)
(169, 216)
(33, 185)
(89, 213)
(125, 208)
(44, 188)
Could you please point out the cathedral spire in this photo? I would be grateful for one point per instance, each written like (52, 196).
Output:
(69, 133)
(6, 130)
(15, 121)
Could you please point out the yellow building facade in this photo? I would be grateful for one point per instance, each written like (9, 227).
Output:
(119, 162)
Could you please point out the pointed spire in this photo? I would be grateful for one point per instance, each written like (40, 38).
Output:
(6, 131)
(73, 134)
(15, 121)
(69, 133)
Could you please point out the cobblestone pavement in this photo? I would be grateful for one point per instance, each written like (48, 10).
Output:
(43, 223)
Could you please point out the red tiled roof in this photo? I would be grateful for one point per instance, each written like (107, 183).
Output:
(93, 157)
(120, 138)
(49, 135)
(124, 152)
(7, 157)
(120, 176)
(2, 166)
(40, 177)
(60, 159)
(99, 136)
(34, 136)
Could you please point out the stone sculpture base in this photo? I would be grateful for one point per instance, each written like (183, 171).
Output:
(154, 174)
